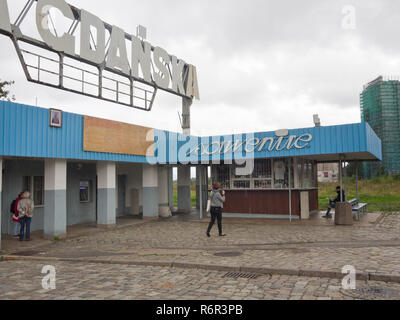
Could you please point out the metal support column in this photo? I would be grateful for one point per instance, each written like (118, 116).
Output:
(184, 170)
(186, 104)
(341, 180)
(201, 193)
(345, 179)
(290, 189)
(357, 194)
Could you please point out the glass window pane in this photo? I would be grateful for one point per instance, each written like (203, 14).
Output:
(241, 184)
(262, 184)
(38, 191)
(308, 174)
(262, 169)
(243, 168)
(223, 176)
(268, 174)
(281, 174)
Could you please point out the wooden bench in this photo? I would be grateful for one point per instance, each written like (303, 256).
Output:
(358, 208)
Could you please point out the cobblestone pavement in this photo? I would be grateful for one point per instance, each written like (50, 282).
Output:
(82, 281)
(374, 248)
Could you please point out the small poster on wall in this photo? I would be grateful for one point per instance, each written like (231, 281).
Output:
(55, 118)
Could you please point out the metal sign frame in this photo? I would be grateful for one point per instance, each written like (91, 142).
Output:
(136, 88)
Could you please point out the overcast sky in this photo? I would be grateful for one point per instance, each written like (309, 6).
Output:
(262, 65)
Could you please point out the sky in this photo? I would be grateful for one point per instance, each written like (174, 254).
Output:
(262, 65)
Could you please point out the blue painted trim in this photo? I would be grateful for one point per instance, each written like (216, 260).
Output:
(25, 132)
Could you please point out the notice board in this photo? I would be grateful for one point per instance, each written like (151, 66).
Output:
(106, 136)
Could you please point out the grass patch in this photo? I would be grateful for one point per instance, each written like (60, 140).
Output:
(381, 194)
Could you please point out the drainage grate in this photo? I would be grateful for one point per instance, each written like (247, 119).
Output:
(236, 275)
(228, 254)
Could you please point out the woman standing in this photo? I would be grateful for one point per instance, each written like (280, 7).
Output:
(15, 217)
(217, 204)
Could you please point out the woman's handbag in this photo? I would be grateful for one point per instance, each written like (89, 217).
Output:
(208, 205)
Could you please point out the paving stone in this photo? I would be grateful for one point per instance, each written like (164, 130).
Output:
(306, 262)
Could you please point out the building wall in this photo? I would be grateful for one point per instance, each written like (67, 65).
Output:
(77, 212)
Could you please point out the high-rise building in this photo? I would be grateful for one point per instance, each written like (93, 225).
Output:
(380, 107)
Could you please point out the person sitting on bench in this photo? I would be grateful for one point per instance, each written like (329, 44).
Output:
(332, 202)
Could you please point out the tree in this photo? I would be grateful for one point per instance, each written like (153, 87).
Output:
(5, 94)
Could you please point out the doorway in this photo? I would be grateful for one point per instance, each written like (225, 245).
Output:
(121, 195)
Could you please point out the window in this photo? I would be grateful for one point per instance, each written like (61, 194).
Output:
(244, 169)
(35, 185)
(308, 181)
(262, 169)
(84, 192)
(280, 174)
(223, 176)
(241, 184)
(262, 184)
(277, 173)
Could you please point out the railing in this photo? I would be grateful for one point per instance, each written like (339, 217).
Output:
(145, 96)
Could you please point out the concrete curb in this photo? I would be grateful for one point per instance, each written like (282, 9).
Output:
(384, 277)
(183, 265)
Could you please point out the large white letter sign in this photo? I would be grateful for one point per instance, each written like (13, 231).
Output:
(141, 55)
(118, 44)
(141, 67)
(196, 92)
(4, 16)
(66, 43)
(97, 53)
(177, 75)
(161, 60)
(192, 86)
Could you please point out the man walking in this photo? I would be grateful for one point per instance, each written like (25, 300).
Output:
(25, 210)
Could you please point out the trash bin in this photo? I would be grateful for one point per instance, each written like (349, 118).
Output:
(344, 214)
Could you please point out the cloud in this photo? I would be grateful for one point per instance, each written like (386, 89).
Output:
(262, 65)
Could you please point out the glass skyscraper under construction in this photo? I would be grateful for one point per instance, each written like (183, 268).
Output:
(380, 107)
